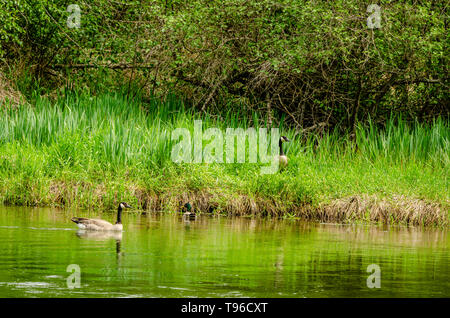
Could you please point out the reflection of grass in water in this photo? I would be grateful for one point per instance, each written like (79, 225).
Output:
(261, 257)
(94, 151)
(219, 256)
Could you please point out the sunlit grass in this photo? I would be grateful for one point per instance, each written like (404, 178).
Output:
(101, 148)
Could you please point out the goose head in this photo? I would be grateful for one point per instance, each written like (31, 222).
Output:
(284, 139)
(124, 205)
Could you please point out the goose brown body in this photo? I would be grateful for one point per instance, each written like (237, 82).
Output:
(283, 161)
(282, 158)
(96, 224)
(102, 225)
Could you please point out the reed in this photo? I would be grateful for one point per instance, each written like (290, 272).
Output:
(85, 151)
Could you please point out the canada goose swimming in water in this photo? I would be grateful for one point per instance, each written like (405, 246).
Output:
(189, 214)
(102, 225)
(282, 158)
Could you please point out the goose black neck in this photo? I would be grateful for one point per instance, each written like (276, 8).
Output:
(119, 215)
(280, 143)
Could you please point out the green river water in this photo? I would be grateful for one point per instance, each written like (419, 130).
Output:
(160, 255)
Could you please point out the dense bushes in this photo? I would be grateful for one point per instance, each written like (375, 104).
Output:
(317, 63)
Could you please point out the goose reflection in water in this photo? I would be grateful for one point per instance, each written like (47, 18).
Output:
(102, 236)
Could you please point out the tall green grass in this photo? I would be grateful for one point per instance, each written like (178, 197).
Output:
(124, 131)
(123, 143)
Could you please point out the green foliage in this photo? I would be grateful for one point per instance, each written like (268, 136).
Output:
(123, 145)
(309, 61)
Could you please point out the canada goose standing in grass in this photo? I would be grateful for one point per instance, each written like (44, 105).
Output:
(102, 225)
(189, 214)
(282, 158)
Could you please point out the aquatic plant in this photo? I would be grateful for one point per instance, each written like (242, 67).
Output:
(95, 151)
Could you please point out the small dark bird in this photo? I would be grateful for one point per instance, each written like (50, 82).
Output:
(189, 214)
(102, 225)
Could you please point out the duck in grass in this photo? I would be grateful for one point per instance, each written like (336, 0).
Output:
(282, 158)
(189, 214)
(102, 225)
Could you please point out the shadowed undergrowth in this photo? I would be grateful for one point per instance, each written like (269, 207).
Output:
(92, 152)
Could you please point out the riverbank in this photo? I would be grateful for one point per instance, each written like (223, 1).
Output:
(92, 152)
